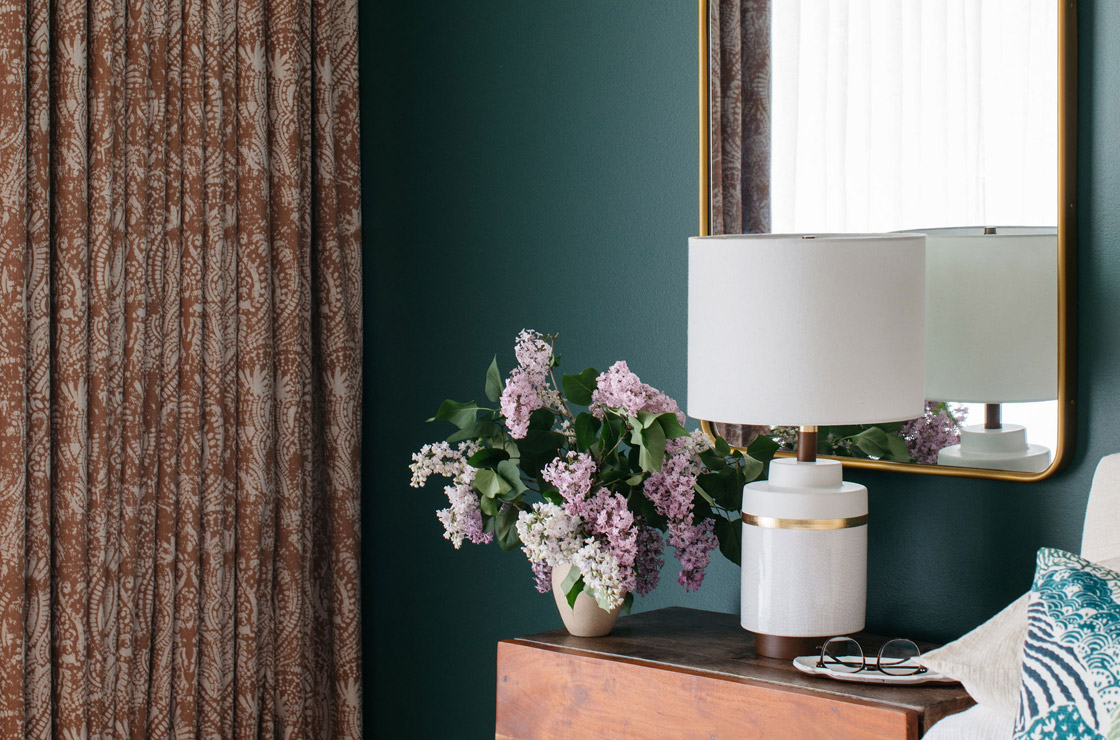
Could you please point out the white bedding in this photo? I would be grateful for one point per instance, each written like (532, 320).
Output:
(977, 723)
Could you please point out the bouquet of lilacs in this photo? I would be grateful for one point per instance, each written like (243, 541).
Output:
(599, 488)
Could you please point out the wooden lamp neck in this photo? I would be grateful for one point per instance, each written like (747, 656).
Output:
(807, 444)
(992, 416)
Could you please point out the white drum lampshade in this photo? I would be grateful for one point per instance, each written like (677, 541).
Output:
(806, 331)
(992, 334)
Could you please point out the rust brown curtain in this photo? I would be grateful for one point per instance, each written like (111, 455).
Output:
(739, 90)
(180, 338)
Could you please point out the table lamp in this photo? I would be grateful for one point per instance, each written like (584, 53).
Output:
(992, 335)
(805, 331)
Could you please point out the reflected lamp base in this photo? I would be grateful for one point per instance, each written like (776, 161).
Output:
(1005, 448)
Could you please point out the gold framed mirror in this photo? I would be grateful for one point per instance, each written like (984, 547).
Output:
(1042, 78)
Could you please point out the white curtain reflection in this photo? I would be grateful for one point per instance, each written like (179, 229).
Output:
(895, 114)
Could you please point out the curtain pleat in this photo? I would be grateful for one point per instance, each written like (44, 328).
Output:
(180, 389)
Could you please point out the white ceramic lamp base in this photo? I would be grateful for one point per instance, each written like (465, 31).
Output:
(1005, 448)
(804, 556)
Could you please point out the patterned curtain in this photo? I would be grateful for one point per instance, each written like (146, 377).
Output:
(180, 343)
(739, 91)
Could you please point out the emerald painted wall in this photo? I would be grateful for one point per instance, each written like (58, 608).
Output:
(532, 164)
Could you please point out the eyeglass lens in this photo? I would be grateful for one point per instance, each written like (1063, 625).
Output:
(899, 658)
(842, 654)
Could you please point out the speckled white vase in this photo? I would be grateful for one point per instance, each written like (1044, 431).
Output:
(587, 619)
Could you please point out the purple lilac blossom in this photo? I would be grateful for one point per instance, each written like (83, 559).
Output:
(670, 492)
(933, 431)
(618, 388)
(572, 476)
(527, 388)
(650, 560)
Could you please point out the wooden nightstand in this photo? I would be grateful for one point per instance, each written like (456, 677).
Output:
(682, 673)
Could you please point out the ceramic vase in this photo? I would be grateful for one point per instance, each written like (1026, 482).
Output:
(587, 618)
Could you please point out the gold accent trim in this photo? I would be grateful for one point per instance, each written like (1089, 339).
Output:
(816, 525)
(1067, 253)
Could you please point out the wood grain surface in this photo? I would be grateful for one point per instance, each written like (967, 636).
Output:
(683, 673)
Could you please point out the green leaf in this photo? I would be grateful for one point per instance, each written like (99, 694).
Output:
(751, 469)
(578, 388)
(489, 506)
(586, 428)
(459, 414)
(493, 381)
(511, 474)
(644, 420)
(701, 510)
(612, 433)
(635, 479)
(572, 585)
(699, 488)
(627, 602)
(538, 449)
(730, 535)
(712, 460)
(652, 448)
(542, 419)
(483, 429)
(489, 483)
(552, 496)
(898, 450)
(872, 441)
(671, 427)
(762, 448)
(487, 457)
(722, 448)
(506, 530)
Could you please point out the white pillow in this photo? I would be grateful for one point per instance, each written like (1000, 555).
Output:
(988, 661)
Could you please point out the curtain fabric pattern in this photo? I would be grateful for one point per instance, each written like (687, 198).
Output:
(739, 94)
(180, 391)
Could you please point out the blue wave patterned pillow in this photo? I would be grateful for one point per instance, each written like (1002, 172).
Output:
(1070, 686)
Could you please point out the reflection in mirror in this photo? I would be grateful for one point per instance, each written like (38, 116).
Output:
(830, 116)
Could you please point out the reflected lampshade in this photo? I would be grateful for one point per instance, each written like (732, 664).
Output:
(796, 330)
(992, 314)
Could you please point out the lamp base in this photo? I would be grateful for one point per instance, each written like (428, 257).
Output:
(788, 648)
(804, 557)
(1005, 448)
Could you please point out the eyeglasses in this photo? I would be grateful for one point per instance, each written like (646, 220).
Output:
(896, 658)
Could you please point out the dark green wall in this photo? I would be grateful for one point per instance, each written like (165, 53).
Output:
(532, 164)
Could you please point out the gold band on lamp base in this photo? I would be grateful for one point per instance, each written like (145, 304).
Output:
(767, 522)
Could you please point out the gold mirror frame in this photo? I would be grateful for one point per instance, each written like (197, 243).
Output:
(1067, 250)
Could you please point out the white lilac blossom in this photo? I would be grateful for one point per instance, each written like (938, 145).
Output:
(618, 388)
(463, 519)
(602, 574)
(691, 446)
(439, 459)
(550, 538)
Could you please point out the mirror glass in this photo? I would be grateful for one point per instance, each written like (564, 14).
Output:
(842, 116)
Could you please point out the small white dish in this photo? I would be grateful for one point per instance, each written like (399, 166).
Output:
(808, 664)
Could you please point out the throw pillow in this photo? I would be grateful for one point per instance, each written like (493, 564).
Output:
(988, 661)
(1070, 686)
